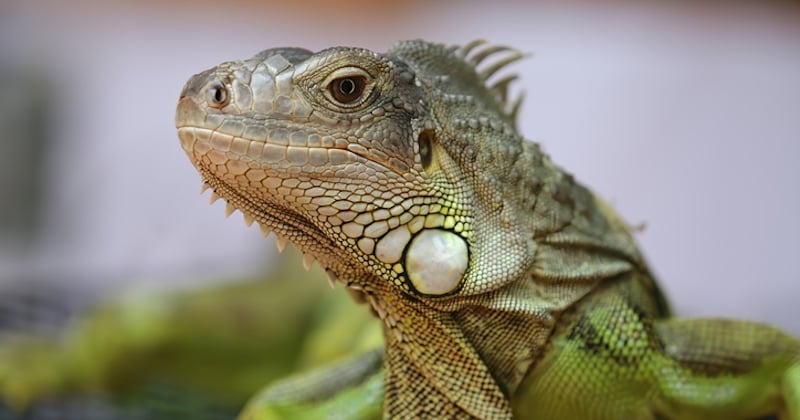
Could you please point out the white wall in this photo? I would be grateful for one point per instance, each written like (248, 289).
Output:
(685, 117)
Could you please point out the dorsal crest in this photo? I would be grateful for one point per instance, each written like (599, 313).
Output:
(474, 69)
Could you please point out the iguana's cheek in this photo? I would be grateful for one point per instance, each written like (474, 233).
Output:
(426, 255)
(436, 261)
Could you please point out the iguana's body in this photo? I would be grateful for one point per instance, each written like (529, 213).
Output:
(504, 285)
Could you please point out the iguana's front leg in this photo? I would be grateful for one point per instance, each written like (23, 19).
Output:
(352, 389)
(613, 358)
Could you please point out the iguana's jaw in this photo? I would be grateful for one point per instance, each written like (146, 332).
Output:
(271, 216)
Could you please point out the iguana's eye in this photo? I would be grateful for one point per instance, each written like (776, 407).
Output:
(347, 90)
(217, 94)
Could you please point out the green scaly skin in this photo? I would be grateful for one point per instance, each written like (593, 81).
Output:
(504, 286)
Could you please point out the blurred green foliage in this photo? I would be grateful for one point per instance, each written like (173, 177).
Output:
(219, 344)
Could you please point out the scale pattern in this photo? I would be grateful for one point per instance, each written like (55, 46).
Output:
(503, 284)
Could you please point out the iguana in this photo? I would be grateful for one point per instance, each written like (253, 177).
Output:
(505, 287)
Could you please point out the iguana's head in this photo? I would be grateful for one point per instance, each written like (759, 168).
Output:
(381, 167)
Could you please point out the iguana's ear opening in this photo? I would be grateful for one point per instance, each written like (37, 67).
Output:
(425, 141)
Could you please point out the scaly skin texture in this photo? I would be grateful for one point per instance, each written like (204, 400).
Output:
(504, 285)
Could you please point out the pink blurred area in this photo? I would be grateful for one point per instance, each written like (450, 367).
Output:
(685, 116)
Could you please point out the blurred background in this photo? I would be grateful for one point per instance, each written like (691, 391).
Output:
(684, 115)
